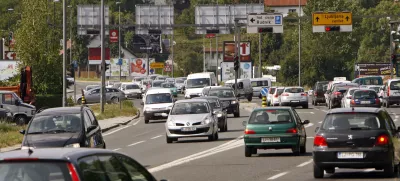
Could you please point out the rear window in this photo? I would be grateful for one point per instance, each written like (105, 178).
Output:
(321, 86)
(260, 83)
(352, 91)
(395, 85)
(376, 89)
(365, 94)
(294, 90)
(280, 91)
(271, 117)
(372, 81)
(271, 91)
(21, 171)
(347, 121)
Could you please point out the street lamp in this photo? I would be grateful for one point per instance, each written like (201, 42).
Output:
(119, 37)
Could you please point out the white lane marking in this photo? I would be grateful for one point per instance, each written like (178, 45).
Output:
(136, 122)
(395, 120)
(238, 142)
(136, 143)
(117, 130)
(369, 170)
(116, 149)
(396, 116)
(320, 122)
(305, 163)
(306, 112)
(156, 137)
(310, 137)
(309, 125)
(277, 176)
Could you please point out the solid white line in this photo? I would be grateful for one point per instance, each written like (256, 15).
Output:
(136, 143)
(310, 137)
(277, 176)
(312, 112)
(395, 120)
(369, 170)
(156, 137)
(309, 125)
(305, 163)
(116, 149)
(117, 130)
(320, 122)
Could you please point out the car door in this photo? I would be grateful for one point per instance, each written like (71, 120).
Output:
(90, 131)
(300, 126)
(395, 134)
(93, 96)
(97, 137)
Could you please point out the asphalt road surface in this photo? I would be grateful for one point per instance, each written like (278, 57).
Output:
(197, 159)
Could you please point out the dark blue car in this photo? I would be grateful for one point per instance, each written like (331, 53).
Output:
(365, 98)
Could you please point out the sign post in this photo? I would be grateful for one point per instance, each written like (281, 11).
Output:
(332, 21)
(264, 93)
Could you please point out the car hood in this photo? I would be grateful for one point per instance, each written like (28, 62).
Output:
(50, 140)
(194, 91)
(191, 118)
(28, 105)
(228, 99)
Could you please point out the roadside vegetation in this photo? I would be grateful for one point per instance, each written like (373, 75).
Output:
(9, 134)
(112, 110)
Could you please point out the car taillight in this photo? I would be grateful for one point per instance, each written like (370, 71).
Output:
(377, 101)
(276, 95)
(337, 93)
(285, 94)
(291, 130)
(303, 94)
(315, 94)
(73, 172)
(249, 131)
(352, 102)
(388, 92)
(382, 140)
(320, 141)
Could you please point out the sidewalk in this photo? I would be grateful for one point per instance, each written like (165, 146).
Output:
(105, 125)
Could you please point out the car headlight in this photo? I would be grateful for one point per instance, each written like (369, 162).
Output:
(219, 115)
(8, 114)
(169, 107)
(171, 123)
(75, 145)
(26, 148)
(206, 121)
(148, 109)
(233, 102)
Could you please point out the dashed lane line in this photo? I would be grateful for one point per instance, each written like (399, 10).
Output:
(133, 144)
(305, 163)
(156, 137)
(277, 176)
(309, 125)
(116, 149)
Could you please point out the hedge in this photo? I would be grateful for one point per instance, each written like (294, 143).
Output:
(49, 101)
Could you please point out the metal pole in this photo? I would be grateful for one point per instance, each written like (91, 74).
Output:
(204, 56)
(103, 62)
(259, 55)
(172, 55)
(147, 56)
(391, 50)
(216, 53)
(210, 51)
(237, 44)
(64, 98)
(70, 52)
(299, 44)
(119, 47)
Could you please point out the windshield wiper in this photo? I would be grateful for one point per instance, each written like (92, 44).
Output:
(58, 131)
(360, 128)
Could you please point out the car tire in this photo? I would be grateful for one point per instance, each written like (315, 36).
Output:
(236, 114)
(169, 140)
(247, 151)
(318, 172)
(250, 98)
(296, 150)
(211, 137)
(303, 149)
(390, 170)
(226, 125)
(114, 100)
(216, 137)
(305, 106)
(21, 120)
(79, 101)
(146, 121)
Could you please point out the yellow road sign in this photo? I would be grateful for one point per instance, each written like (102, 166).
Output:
(157, 65)
(337, 18)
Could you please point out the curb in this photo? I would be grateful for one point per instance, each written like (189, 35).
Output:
(121, 124)
(11, 148)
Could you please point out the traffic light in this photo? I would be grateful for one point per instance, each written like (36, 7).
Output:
(212, 31)
(236, 63)
(332, 28)
(155, 32)
(10, 36)
(72, 70)
(394, 59)
(265, 30)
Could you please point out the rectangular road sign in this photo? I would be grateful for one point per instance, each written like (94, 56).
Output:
(336, 18)
(157, 65)
(264, 20)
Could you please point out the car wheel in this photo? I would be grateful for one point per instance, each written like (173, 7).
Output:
(169, 140)
(305, 106)
(104, 147)
(216, 137)
(329, 105)
(318, 172)
(254, 151)
(146, 121)
(114, 100)
(20, 120)
(211, 137)
(390, 170)
(259, 96)
(247, 151)
(296, 150)
(236, 114)
(250, 98)
(303, 148)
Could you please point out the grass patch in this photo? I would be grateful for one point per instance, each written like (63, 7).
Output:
(112, 110)
(98, 79)
(9, 134)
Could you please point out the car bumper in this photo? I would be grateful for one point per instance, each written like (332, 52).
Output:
(133, 95)
(394, 99)
(291, 103)
(154, 115)
(373, 158)
(192, 96)
(201, 131)
(366, 105)
(286, 141)
(232, 108)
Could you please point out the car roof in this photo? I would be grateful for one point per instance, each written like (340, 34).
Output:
(273, 108)
(158, 90)
(357, 109)
(61, 110)
(54, 153)
(191, 100)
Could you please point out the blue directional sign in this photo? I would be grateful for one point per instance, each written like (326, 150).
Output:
(119, 61)
(264, 91)
(151, 71)
(278, 20)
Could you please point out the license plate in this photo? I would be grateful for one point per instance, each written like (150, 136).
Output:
(157, 114)
(270, 140)
(365, 102)
(295, 101)
(188, 129)
(350, 155)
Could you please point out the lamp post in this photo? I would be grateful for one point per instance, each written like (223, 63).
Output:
(119, 38)
(10, 40)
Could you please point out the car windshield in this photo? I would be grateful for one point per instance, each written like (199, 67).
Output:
(91, 87)
(376, 89)
(271, 91)
(395, 85)
(280, 91)
(190, 108)
(168, 85)
(346, 121)
(179, 81)
(58, 123)
(138, 79)
(214, 103)
(132, 86)
(221, 93)
(271, 116)
(198, 83)
(294, 90)
(158, 98)
(157, 83)
(365, 94)
(34, 171)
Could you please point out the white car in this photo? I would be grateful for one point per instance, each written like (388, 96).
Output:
(275, 97)
(155, 102)
(347, 97)
(131, 90)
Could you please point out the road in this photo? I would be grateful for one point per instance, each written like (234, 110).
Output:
(198, 159)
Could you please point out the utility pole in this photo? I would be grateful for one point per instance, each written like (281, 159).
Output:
(259, 55)
(103, 62)
(299, 42)
(391, 50)
(64, 98)
(70, 50)
(119, 39)
(237, 51)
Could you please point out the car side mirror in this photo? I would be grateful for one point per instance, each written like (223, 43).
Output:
(91, 128)
(244, 123)
(142, 103)
(22, 131)
(316, 129)
(17, 102)
(164, 114)
(306, 122)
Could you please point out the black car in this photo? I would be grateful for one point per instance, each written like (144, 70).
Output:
(63, 127)
(227, 97)
(319, 90)
(70, 164)
(356, 138)
(218, 110)
(338, 90)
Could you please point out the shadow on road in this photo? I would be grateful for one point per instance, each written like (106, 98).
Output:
(155, 122)
(204, 140)
(282, 154)
(357, 175)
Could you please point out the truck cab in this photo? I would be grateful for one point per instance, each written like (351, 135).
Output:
(21, 112)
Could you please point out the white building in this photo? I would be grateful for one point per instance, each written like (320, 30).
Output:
(286, 6)
(95, 43)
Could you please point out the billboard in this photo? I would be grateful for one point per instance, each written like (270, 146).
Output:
(95, 56)
(228, 73)
(138, 66)
(229, 51)
(139, 44)
(115, 68)
(366, 69)
(8, 68)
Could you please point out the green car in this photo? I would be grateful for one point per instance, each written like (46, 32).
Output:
(171, 86)
(275, 128)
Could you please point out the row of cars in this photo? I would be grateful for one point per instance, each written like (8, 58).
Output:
(287, 96)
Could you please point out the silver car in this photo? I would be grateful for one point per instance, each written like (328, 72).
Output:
(113, 95)
(191, 118)
(294, 96)
(346, 100)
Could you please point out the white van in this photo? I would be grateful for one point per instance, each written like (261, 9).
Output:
(156, 102)
(21, 112)
(391, 93)
(197, 81)
(258, 84)
(244, 88)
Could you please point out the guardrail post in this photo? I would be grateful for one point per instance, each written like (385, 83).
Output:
(264, 101)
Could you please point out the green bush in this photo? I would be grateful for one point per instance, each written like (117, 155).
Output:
(49, 101)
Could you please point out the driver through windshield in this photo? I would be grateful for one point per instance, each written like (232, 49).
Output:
(222, 93)
(55, 124)
(198, 83)
(158, 98)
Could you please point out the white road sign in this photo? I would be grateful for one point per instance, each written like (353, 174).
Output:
(264, 20)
